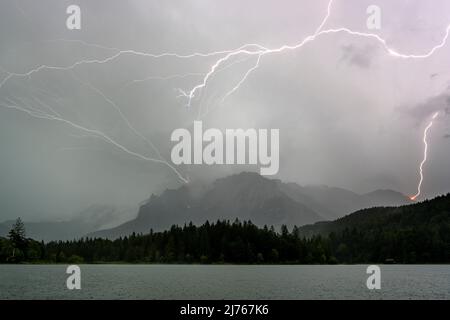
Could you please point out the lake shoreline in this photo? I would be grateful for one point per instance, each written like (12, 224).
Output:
(219, 282)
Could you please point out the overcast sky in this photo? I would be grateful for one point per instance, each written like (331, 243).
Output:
(349, 115)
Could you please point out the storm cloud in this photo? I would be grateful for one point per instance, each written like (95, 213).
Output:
(349, 114)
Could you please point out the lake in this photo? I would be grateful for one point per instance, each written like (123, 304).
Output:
(224, 282)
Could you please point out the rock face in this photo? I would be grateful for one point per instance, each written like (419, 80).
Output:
(249, 196)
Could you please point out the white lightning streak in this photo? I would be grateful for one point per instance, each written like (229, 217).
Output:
(242, 80)
(425, 156)
(130, 126)
(223, 56)
(87, 44)
(119, 111)
(97, 133)
(164, 78)
(261, 50)
(178, 76)
(117, 55)
(319, 32)
(325, 19)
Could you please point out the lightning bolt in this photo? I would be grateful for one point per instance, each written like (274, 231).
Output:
(121, 114)
(223, 58)
(229, 93)
(318, 33)
(114, 57)
(164, 78)
(243, 50)
(33, 112)
(425, 156)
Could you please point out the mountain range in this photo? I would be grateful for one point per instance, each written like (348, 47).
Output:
(250, 196)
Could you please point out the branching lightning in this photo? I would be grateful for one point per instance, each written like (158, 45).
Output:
(222, 62)
(97, 133)
(113, 57)
(228, 54)
(425, 156)
(319, 32)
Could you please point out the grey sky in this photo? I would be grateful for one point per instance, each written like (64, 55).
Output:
(349, 114)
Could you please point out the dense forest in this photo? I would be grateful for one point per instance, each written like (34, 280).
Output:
(418, 233)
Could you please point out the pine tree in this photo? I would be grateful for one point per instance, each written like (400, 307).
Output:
(17, 236)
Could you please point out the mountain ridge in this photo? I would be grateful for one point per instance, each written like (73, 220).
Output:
(249, 196)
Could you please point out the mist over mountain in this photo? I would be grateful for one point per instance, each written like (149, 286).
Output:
(93, 218)
(244, 196)
(334, 202)
(249, 196)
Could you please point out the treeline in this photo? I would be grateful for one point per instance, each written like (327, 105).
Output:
(418, 233)
(220, 242)
(411, 241)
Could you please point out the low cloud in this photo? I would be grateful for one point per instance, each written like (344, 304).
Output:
(432, 105)
(358, 56)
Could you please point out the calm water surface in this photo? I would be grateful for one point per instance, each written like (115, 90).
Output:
(224, 282)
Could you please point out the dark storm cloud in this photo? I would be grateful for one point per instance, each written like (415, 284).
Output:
(439, 103)
(338, 126)
(358, 56)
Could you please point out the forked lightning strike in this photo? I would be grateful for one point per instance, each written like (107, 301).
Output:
(36, 113)
(248, 50)
(319, 32)
(425, 156)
